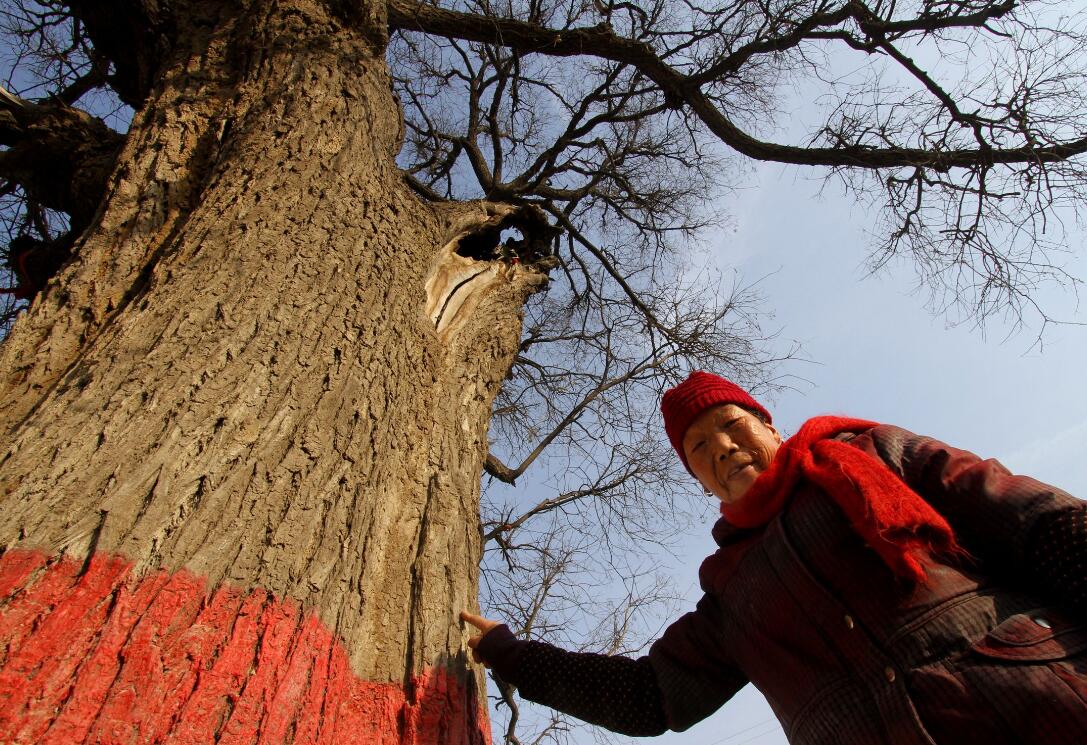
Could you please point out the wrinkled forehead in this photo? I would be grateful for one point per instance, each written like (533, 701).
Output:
(711, 417)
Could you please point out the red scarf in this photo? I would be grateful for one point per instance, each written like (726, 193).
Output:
(896, 522)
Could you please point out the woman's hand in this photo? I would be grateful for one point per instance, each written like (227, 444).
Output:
(483, 625)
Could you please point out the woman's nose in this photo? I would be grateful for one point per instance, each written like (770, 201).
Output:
(726, 447)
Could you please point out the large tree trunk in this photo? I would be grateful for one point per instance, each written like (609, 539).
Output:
(246, 427)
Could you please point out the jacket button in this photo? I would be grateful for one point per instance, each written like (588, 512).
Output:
(889, 674)
(1041, 622)
(848, 621)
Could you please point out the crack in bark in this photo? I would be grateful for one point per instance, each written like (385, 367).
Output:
(145, 503)
(481, 243)
(96, 534)
(452, 293)
(415, 605)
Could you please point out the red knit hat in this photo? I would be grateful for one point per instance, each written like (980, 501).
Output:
(700, 391)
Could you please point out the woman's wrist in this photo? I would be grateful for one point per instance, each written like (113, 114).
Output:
(501, 650)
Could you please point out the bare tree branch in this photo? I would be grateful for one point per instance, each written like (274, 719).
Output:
(61, 156)
(601, 41)
(135, 35)
(553, 503)
(510, 475)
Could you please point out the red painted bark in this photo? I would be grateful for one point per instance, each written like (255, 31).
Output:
(95, 654)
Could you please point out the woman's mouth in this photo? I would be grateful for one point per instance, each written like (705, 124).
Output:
(737, 470)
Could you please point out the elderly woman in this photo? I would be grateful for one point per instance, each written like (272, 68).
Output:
(875, 585)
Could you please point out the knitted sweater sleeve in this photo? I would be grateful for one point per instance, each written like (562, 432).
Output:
(1013, 524)
(677, 684)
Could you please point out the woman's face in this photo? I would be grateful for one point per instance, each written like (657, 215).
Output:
(727, 448)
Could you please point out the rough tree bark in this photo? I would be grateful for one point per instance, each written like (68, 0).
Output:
(244, 430)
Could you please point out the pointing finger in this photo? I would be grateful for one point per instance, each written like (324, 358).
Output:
(481, 623)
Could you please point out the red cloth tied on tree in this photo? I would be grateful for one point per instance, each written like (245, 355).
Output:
(895, 521)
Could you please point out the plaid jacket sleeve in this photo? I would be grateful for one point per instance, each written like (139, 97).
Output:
(1013, 524)
(679, 682)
